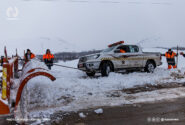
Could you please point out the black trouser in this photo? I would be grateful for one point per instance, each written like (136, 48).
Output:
(171, 61)
(49, 63)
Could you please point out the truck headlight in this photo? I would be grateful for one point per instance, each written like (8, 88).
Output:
(90, 57)
(94, 56)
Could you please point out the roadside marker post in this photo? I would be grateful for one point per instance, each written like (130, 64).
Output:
(4, 84)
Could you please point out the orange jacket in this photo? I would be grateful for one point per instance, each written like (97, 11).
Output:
(122, 51)
(170, 56)
(32, 56)
(48, 56)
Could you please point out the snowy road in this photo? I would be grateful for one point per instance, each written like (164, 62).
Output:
(140, 114)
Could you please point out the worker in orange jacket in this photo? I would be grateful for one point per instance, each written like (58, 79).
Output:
(29, 55)
(122, 51)
(48, 58)
(170, 57)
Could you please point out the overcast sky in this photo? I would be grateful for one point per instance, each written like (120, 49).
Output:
(75, 25)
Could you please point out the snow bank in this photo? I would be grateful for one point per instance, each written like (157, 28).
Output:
(34, 63)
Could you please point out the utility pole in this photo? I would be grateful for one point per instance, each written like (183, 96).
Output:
(177, 56)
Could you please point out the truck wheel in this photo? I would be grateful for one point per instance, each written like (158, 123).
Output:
(150, 67)
(105, 69)
(90, 73)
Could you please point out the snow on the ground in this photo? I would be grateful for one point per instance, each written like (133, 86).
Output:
(72, 91)
(98, 111)
(82, 115)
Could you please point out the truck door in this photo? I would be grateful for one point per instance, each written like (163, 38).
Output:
(121, 57)
(136, 57)
(132, 58)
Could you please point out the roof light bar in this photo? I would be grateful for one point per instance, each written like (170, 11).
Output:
(115, 44)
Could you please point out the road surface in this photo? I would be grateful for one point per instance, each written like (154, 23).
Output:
(158, 113)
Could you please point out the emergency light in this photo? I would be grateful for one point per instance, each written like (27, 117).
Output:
(115, 44)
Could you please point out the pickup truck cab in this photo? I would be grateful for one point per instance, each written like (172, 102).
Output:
(119, 57)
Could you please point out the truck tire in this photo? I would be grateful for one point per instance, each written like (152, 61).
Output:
(105, 69)
(150, 67)
(91, 74)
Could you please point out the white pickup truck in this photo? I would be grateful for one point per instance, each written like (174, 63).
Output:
(113, 59)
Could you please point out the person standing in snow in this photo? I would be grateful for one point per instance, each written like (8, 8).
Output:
(170, 57)
(29, 55)
(182, 54)
(48, 58)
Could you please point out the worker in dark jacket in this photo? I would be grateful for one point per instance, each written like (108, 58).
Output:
(29, 55)
(170, 57)
(48, 58)
(182, 54)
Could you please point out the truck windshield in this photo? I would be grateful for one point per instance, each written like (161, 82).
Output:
(108, 49)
